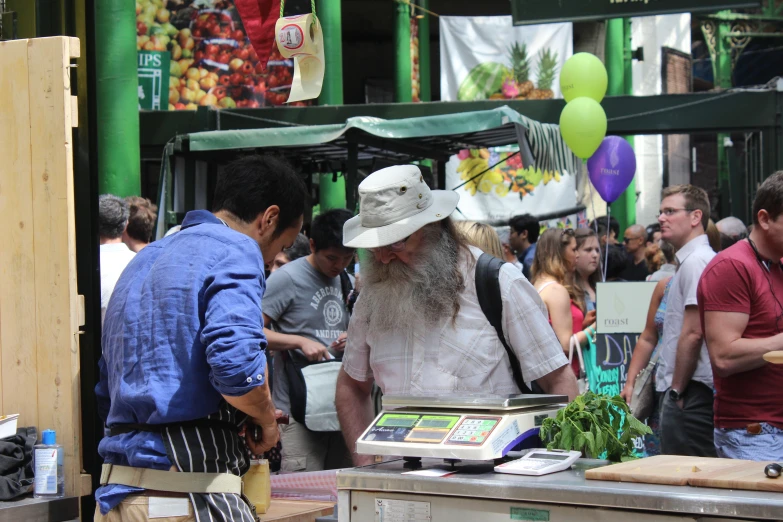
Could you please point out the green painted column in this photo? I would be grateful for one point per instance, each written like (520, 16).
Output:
(618, 67)
(402, 49)
(721, 70)
(331, 193)
(330, 15)
(116, 96)
(424, 52)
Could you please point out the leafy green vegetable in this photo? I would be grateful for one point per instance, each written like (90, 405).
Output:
(595, 425)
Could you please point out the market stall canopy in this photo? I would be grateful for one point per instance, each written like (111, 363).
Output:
(362, 140)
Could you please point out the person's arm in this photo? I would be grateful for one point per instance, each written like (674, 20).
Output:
(646, 343)
(258, 405)
(688, 349)
(729, 352)
(355, 411)
(278, 342)
(560, 382)
(558, 304)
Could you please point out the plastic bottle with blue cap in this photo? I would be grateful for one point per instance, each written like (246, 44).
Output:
(48, 467)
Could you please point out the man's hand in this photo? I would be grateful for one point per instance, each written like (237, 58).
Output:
(339, 344)
(627, 392)
(314, 351)
(589, 319)
(270, 435)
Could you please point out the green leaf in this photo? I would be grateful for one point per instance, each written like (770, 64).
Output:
(590, 444)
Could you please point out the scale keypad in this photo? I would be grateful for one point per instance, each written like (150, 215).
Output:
(473, 430)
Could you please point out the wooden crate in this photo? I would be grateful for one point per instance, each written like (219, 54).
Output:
(40, 310)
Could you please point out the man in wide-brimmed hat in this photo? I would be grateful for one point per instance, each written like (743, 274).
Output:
(418, 328)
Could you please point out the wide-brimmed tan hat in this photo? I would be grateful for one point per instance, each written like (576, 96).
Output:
(394, 203)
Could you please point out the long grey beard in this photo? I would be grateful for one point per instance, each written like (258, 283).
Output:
(398, 295)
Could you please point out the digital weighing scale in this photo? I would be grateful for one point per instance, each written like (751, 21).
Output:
(473, 427)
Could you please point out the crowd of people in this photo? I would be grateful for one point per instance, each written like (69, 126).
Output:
(239, 335)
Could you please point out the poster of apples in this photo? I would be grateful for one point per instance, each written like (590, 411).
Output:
(212, 62)
(487, 58)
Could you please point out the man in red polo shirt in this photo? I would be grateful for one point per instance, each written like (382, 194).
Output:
(739, 299)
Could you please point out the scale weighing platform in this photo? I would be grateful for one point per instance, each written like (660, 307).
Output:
(473, 427)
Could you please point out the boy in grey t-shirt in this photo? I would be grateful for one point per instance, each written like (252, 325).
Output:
(306, 319)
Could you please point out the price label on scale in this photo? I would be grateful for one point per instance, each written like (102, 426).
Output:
(391, 510)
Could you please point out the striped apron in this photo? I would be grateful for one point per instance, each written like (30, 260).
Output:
(200, 449)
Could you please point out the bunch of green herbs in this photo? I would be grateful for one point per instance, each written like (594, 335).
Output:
(600, 426)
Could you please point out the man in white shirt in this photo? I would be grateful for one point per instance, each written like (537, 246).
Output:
(417, 327)
(113, 215)
(684, 371)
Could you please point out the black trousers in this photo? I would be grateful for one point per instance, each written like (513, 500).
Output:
(688, 430)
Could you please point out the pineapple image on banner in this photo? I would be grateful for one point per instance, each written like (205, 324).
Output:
(487, 58)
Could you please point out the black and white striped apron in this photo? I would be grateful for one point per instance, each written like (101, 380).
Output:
(218, 449)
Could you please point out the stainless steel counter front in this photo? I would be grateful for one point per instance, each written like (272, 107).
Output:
(477, 480)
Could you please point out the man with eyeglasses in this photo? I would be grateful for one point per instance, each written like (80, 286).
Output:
(635, 240)
(684, 372)
(417, 327)
(740, 297)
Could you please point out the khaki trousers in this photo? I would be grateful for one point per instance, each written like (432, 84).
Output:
(135, 508)
(305, 450)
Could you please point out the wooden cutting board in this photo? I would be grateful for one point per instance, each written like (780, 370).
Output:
(672, 470)
(774, 357)
(281, 510)
(744, 474)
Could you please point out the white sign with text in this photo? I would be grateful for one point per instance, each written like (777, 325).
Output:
(622, 307)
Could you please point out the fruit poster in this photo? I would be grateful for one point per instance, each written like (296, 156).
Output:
(211, 60)
(487, 58)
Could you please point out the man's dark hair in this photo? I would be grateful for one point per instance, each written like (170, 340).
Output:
(141, 222)
(526, 222)
(327, 229)
(651, 230)
(614, 225)
(617, 261)
(248, 186)
(300, 248)
(112, 216)
(769, 197)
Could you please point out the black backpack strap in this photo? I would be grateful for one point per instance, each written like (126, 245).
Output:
(488, 291)
(346, 286)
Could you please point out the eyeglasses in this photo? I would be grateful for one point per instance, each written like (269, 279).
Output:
(398, 246)
(668, 212)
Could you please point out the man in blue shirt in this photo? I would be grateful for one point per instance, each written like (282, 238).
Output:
(522, 239)
(183, 378)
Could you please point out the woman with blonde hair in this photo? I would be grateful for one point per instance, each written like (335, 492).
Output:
(481, 236)
(588, 262)
(553, 277)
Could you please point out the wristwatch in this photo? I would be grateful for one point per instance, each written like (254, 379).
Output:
(675, 395)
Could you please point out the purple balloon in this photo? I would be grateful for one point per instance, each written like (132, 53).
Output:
(612, 167)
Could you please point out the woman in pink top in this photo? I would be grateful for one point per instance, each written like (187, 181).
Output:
(553, 277)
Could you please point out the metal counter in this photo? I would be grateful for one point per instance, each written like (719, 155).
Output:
(497, 493)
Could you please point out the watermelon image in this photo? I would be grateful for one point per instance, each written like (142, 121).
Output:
(484, 80)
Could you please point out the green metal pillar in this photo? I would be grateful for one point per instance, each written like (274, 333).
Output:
(330, 15)
(402, 48)
(721, 70)
(618, 67)
(331, 187)
(117, 102)
(425, 94)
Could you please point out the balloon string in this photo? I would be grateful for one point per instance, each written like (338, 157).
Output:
(606, 244)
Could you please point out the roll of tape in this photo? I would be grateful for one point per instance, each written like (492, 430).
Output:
(300, 37)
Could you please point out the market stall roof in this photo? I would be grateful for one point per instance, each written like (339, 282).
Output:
(399, 141)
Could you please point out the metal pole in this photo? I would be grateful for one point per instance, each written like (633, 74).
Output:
(331, 193)
(721, 69)
(402, 46)
(425, 93)
(117, 102)
(620, 83)
(330, 15)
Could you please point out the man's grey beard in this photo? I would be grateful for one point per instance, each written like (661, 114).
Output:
(398, 295)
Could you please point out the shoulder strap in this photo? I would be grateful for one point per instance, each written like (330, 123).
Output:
(544, 286)
(345, 285)
(488, 292)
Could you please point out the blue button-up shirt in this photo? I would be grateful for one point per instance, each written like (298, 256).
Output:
(182, 329)
(526, 258)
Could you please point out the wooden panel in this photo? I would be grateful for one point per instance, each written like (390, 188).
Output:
(662, 469)
(55, 247)
(18, 360)
(774, 357)
(296, 510)
(744, 474)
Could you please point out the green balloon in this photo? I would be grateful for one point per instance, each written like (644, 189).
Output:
(583, 75)
(583, 126)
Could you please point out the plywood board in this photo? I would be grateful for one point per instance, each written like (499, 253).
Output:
(774, 357)
(18, 357)
(296, 510)
(744, 474)
(672, 470)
